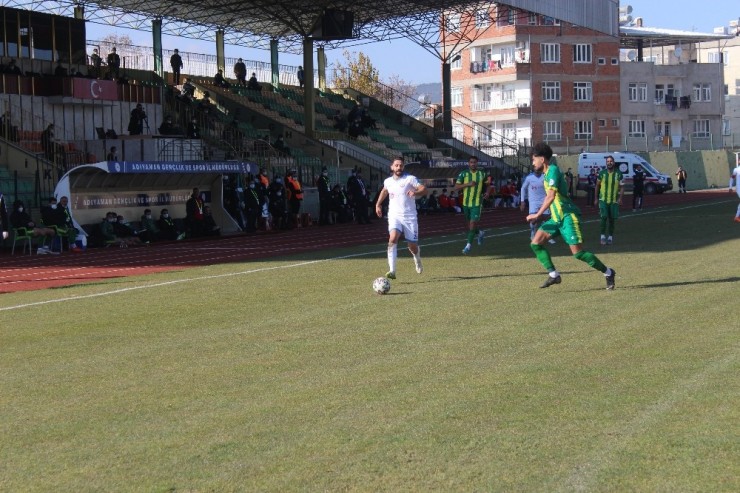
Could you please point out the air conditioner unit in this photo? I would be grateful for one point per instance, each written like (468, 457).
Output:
(520, 45)
(720, 30)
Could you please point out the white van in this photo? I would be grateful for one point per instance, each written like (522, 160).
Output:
(655, 181)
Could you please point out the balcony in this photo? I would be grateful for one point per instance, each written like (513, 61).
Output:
(501, 104)
(493, 66)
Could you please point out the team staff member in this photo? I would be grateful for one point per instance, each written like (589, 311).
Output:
(609, 193)
(471, 183)
(565, 220)
(401, 189)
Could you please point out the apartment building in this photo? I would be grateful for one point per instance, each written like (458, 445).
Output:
(527, 78)
(531, 78)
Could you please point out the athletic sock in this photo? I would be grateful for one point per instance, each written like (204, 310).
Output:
(392, 255)
(543, 256)
(591, 260)
(472, 233)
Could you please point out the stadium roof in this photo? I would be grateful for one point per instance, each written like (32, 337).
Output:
(631, 36)
(253, 23)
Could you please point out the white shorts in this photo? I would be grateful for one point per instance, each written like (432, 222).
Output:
(409, 226)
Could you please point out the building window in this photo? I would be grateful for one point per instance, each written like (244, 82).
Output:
(702, 92)
(457, 96)
(583, 130)
(663, 91)
(453, 23)
(550, 52)
(615, 61)
(701, 129)
(662, 129)
(482, 19)
(456, 61)
(532, 19)
(602, 61)
(551, 91)
(718, 57)
(615, 122)
(602, 123)
(551, 131)
(582, 91)
(582, 53)
(726, 127)
(637, 91)
(636, 128)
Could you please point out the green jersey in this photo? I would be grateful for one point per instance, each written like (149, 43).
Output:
(472, 195)
(609, 188)
(562, 205)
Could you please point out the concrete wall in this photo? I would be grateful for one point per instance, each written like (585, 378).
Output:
(706, 169)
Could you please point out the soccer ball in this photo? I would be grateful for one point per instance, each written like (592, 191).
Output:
(381, 285)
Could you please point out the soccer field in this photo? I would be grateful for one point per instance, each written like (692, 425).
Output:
(290, 374)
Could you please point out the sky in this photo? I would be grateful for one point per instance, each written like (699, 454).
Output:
(415, 65)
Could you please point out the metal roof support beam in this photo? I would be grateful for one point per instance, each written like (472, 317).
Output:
(274, 63)
(157, 47)
(308, 93)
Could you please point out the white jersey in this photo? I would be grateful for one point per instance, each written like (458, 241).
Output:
(533, 190)
(736, 177)
(399, 203)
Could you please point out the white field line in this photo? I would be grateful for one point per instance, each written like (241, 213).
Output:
(291, 266)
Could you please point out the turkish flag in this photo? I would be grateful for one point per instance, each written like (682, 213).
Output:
(94, 89)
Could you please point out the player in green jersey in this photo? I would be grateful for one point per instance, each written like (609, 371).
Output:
(609, 193)
(565, 220)
(470, 183)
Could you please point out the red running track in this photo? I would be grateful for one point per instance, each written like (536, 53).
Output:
(32, 272)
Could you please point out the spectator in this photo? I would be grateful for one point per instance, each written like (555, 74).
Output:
(264, 181)
(47, 142)
(359, 195)
(300, 75)
(569, 180)
(114, 64)
(294, 195)
(638, 187)
(108, 232)
(324, 189)
(95, 62)
(19, 218)
(444, 202)
(60, 71)
(12, 68)
(73, 233)
(188, 89)
(7, 129)
(168, 127)
(220, 81)
(125, 231)
(340, 206)
(253, 84)
(455, 203)
(279, 144)
(53, 217)
(193, 131)
(278, 205)
(210, 228)
(240, 72)
(681, 175)
(176, 64)
(433, 202)
(340, 123)
(137, 120)
(168, 229)
(194, 214)
(112, 154)
(610, 190)
(149, 226)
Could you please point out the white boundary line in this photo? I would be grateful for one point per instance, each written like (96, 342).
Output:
(290, 266)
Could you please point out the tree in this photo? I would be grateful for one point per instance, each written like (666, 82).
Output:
(360, 74)
(132, 56)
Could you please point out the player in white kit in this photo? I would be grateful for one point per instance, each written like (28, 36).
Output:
(735, 179)
(402, 190)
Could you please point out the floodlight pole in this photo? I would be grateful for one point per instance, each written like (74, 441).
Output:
(446, 99)
(157, 47)
(274, 63)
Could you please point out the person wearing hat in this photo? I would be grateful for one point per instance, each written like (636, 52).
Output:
(95, 61)
(114, 64)
(324, 188)
(176, 64)
(300, 75)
